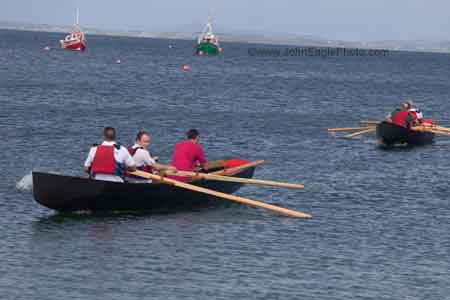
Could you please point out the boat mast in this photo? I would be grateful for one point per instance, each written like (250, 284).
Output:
(77, 21)
(209, 25)
(207, 31)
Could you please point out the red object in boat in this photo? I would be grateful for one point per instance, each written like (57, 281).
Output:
(429, 122)
(236, 162)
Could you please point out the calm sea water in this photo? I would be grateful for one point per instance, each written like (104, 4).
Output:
(380, 227)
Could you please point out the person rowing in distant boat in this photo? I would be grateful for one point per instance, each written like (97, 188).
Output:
(415, 112)
(188, 154)
(402, 116)
(142, 157)
(109, 160)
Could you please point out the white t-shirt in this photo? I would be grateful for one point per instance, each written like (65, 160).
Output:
(419, 114)
(142, 157)
(122, 156)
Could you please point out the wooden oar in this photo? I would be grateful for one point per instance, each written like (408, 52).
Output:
(348, 129)
(431, 130)
(349, 136)
(439, 132)
(441, 128)
(215, 164)
(369, 123)
(237, 179)
(165, 180)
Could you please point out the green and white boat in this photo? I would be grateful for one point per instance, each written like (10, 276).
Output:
(208, 43)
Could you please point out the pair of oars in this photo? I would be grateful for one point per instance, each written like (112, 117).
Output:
(243, 200)
(207, 176)
(441, 130)
(370, 126)
(433, 129)
(219, 176)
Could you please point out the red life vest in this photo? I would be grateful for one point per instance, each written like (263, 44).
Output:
(104, 161)
(401, 118)
(132, 150)
(144, 168)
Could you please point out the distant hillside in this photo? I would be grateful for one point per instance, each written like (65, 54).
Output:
(246, 37)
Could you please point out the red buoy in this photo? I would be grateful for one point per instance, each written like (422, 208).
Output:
(118, 61)
(46, 48)
(186, 67)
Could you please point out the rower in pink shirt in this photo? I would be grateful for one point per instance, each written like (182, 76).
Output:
(188, 154)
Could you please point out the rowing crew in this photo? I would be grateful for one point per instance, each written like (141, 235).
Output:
(110, 161)
(407, 116)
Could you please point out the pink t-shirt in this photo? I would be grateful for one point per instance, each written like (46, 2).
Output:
(186, 156)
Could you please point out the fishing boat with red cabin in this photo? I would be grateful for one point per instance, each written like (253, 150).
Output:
(76, 40)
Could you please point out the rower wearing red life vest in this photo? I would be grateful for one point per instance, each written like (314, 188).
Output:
(141, 156)
(188, 154)
(109, 160)
(402, 117)
(415, 112)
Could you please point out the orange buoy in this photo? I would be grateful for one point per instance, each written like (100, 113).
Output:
(186, 67)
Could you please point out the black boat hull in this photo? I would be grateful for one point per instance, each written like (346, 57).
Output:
(67, 193)
(390, 134)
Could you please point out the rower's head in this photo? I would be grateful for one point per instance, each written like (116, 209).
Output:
(109, 133)
(143, 139)
(408, 104)
(193, 135)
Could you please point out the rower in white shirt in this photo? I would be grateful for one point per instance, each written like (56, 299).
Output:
(109, 160)
(142, 157)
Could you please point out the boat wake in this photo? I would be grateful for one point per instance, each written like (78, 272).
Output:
(26, 183)
(371, 142)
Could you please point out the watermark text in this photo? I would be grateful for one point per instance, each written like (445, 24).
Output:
(315, 52)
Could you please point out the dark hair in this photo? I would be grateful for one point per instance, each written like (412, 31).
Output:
(109, 133)
(140, 134)
(192, 134)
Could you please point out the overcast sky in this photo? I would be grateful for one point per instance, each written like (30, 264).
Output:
(361, 20)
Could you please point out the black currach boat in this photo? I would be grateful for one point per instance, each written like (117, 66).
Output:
(68, 193)
(390, 134)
